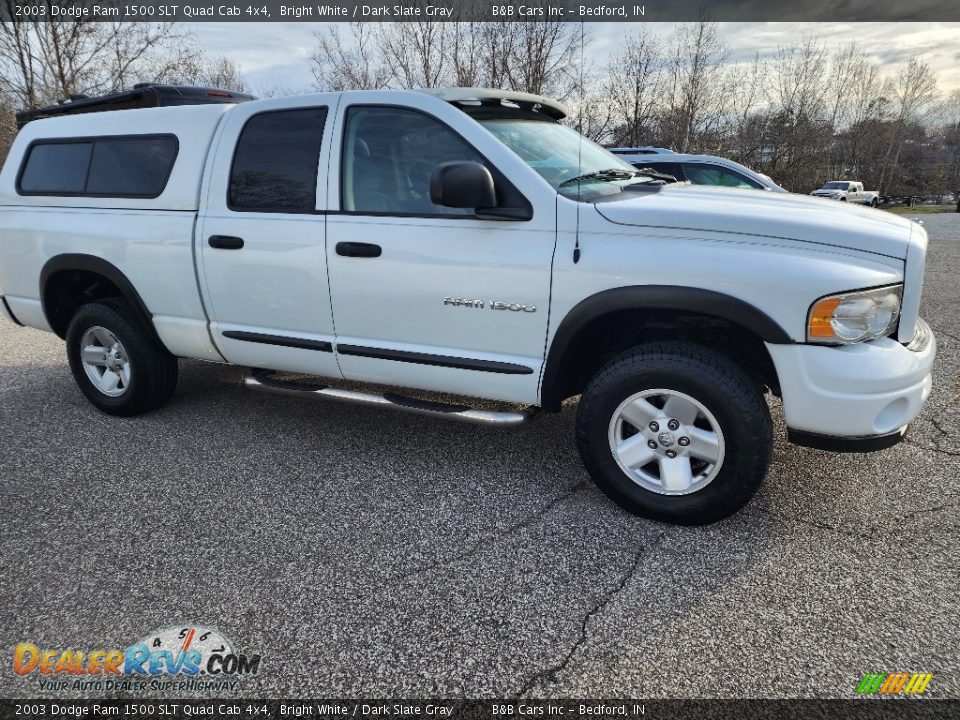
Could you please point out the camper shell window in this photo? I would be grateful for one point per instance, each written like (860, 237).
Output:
(124, 166)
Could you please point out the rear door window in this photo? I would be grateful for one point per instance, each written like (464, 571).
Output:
(276, 162)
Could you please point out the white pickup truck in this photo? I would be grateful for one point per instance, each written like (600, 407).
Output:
(848, 191)
(466, 242)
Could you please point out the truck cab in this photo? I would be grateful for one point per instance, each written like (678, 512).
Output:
(465, 241)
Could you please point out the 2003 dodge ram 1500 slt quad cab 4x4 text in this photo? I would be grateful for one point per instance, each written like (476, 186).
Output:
(464, 241)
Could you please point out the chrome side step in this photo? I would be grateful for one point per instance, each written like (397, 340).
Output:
(262, 381)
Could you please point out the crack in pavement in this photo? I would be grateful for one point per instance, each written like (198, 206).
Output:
(953, 337)
(914, 443)
(920, 511)
(822, 526)
(935, 421)
(874, 531)
(552, 672)
(490, 539)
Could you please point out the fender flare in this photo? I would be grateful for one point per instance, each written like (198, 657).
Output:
(94, 264)
(649, 297)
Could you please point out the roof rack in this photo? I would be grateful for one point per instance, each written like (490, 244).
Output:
(142, 95)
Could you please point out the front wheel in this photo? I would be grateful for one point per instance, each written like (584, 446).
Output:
(120, 366)
(675, 432)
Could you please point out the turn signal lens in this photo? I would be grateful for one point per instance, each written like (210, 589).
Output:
(821, 314)
(855, 316)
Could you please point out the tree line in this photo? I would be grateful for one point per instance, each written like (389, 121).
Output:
(43, 62)
(803, 114)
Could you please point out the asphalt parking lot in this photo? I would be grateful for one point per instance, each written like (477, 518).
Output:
(376, 554)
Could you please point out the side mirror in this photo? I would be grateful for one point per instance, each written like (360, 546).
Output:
(462, 185)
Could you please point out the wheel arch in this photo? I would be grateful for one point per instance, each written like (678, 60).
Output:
(649, 302)
(72, 279)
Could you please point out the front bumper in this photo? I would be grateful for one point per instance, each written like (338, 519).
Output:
(836, 443)
(858, 396)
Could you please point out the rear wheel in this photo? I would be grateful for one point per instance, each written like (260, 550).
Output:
(874, 203)
(120, 366)
(675, 432)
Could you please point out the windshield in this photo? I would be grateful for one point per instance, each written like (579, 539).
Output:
(836, 186)
(576, 167)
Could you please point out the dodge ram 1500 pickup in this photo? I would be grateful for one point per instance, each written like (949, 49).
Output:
(465, 241)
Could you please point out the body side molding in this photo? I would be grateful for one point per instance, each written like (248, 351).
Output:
(459, 363)
(9, 312)
(280, 340)
(649, 297)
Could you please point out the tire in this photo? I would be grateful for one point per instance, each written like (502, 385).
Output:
(843, 199)
(722, 396)
(146, 372)
(874, 203)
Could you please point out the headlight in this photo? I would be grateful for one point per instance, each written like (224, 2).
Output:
(854, 316)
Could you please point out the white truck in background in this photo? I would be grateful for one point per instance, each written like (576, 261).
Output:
(848, 191)
(464, 241)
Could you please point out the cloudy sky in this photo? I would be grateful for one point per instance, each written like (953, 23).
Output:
(273, 55)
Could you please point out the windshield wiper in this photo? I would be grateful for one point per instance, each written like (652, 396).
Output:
(608, 174)
(656, 175)
(621, 174)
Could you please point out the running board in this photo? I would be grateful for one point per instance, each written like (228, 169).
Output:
(398, 402)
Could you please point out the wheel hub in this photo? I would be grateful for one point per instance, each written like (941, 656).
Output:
(105, 361)
(666, 441)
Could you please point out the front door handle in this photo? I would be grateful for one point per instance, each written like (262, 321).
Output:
(225, 242)
(358, 249)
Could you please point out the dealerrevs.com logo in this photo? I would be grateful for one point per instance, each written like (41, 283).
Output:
(186, 659)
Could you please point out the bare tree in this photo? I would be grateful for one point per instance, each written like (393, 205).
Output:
(746, 88)
(416, 52)
(8, 124)
(800, 90)
(543, 56)
(536, 56)
(218, 72)
(694, 88)
(951, 134)
(353, 63)
(913, 91)
(43, 61)
(860, 124)
(632, 87)
(799, 130)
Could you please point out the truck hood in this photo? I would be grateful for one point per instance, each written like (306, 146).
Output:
(764, 214)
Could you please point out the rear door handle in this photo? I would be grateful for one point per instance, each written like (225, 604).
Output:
(225, 242)
(358, 249)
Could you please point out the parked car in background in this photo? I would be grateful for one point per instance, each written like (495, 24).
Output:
(848, 191)
(698, 169)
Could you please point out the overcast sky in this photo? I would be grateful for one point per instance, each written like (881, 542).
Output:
(274, 55)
